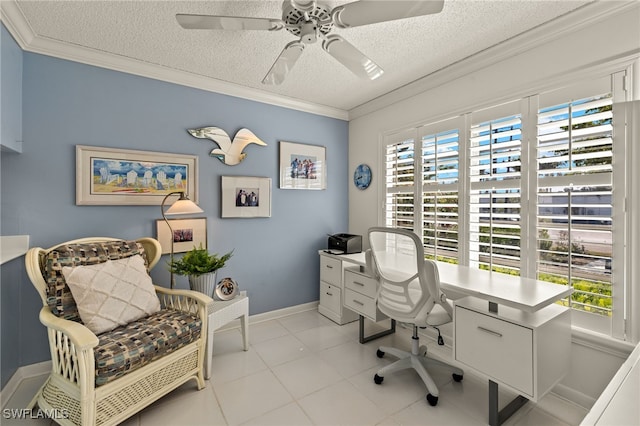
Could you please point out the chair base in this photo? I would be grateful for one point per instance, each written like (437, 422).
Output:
(419, 361)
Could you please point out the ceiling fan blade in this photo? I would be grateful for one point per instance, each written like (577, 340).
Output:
(345, 53)
(366, 12)
(284, 63)
(210, 22)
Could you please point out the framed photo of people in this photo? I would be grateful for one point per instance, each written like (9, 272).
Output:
(302, 166)
(246, 196)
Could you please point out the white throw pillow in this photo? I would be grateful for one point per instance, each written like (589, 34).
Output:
(112, 293)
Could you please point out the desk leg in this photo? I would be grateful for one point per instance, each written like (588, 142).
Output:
(364, 339)
(496, 416)
(244, 323)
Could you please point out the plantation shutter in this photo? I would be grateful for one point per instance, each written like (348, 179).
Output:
(495, 153)
(440, 191)
(399, 177)
(575, 199)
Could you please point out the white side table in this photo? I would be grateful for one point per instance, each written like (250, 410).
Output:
(221, 313)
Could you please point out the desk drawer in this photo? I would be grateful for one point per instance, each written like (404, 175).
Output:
(330, 297)
(331, 271)
(500, 349)
(365, 306)
(360, 283)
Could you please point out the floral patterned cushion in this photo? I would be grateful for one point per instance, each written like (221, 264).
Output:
(129, 347)
(59, 297)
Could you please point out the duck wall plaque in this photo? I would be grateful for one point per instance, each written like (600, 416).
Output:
(229, 152)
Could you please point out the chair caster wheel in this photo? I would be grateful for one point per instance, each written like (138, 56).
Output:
(378, 380)
(422, 350)
(433, 400)
(457, 377)
(380, 353)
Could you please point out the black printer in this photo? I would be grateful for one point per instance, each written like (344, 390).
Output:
(345, 243)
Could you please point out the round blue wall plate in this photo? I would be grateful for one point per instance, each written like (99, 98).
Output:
(362, 176)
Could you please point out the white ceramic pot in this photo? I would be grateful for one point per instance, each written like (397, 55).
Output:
(205, 283)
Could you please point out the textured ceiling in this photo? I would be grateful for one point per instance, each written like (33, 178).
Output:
(406, 49)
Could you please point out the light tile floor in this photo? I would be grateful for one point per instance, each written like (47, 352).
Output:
(306, 370)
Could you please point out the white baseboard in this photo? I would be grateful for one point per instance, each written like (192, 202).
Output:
(271, 315)
(574, 396)
(24, 372)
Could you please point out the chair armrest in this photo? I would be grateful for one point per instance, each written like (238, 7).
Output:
(71, 345)
(185, 300)
(81, 337)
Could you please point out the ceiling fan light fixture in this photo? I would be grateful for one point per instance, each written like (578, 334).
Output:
(309, 33)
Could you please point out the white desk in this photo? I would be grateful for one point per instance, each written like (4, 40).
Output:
(525, 294)
(528, 321)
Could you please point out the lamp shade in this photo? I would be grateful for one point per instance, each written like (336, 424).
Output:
(183, 206)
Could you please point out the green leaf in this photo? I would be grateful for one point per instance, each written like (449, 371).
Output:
(198, 261)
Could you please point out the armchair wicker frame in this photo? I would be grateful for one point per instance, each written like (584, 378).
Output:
(71, 387)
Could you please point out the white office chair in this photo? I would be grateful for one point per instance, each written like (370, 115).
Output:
(408, 292)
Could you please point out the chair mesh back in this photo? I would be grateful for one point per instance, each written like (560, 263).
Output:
(396, 254)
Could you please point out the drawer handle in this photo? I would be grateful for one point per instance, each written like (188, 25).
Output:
(329, 266)
(360, 284)
(486, 330)
(357, 302)
(329, 294)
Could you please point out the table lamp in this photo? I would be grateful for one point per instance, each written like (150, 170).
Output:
(182, 205)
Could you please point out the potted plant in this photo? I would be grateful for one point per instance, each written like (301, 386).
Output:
(200, 267)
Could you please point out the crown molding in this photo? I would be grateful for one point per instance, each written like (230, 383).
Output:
(533, 38)
(16, 23)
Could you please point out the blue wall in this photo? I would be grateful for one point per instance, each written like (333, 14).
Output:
(66, 104)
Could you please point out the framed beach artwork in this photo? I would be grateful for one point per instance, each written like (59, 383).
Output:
(302, 166)
(187, 233)
(246, 196)
(111, 176)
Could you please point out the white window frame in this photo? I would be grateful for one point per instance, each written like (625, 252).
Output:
(626, 299)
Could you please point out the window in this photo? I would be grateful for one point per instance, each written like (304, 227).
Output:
(495, 175)
(575, 203)
(440, 176)
(523, 188)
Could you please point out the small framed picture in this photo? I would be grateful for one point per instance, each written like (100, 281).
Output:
(187, 233)
(302, 166)
(246, 196)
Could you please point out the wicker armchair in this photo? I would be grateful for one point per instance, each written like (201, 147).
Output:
(103, 379)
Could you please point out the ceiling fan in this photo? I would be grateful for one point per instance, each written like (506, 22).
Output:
(310, 20)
